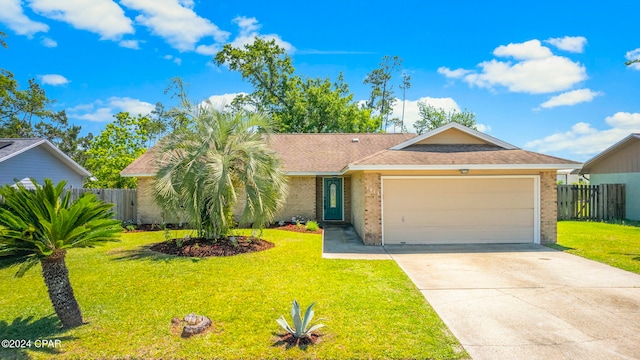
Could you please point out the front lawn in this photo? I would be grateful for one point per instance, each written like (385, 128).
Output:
(616, 245)
(129, 295)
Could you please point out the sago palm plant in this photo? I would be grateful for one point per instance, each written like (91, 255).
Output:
(40, 225)
(206, 165)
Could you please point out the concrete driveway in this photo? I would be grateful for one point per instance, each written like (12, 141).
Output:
(528, 301)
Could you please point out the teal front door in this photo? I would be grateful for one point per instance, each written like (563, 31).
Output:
(332, 199)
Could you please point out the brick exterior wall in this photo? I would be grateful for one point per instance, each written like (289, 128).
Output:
(148, 211)
(301, 200)
(372, 209)
(319, 199)
(548, 207)
(357, 203)
(346, 183)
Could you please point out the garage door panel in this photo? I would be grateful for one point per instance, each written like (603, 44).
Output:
(439, 235)
(469, 210)
(502, 217)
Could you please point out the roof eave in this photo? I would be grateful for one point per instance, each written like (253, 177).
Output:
(288, 173)
(462, 166)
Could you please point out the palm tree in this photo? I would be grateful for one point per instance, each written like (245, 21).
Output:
(206, 164)
(40, 225)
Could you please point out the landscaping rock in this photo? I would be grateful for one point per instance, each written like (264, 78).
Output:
(195, 324)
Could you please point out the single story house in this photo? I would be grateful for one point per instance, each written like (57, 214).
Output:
(23, 159)
(447, 186)
(619, 164)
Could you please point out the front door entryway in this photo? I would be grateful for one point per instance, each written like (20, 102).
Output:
(332, 198)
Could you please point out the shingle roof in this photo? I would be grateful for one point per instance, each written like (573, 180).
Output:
(302, 153)
(458, 154)
(11, 147)
(329, 152)
(336, 153)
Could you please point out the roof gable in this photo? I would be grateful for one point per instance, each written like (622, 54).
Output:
(612, 150)
(454, 133)
(10, 148)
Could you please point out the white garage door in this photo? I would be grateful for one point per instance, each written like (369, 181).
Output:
(459, 210)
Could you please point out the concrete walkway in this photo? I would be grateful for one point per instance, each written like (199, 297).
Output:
(520, 301)
(342, 242)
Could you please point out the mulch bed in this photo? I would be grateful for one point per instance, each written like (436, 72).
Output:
(295, 228)
(198, 247)
(291, 341)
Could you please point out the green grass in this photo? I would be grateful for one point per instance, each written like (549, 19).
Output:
(129, 295)
(614, 244)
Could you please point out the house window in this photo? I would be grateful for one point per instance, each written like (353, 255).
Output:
(332, 196)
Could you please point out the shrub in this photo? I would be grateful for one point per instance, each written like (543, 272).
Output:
(312, 226)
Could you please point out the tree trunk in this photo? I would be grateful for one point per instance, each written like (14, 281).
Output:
(56, 277)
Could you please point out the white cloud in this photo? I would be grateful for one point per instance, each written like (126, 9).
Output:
(176, 22)
(13, 16)
(527, 50)
(208, 49)
(48, 42)
(175, 59)
(571, 98)
(220, 101)
(100, 111)
(455, 74)
(130, 44)
(569, 43)
(536, 70)
(130, 105)
(103, 17)
(53, 79)
(584, 141)
(412, 114)
(483, 128)
(634, 55)
(249, 29)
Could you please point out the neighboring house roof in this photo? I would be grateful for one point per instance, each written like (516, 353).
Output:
(14, 147)
(601, 157)
(452, 146)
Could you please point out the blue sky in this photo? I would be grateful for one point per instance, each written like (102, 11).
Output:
(547, 76)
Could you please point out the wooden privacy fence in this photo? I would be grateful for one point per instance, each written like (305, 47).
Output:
(591, 202)
(124, 200)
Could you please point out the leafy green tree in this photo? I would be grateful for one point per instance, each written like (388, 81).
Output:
(27, 113)
(432, 118)
(630, 62)
(2, 42)
(207, 164)
(382, 96)
(118, 145)
(40, 225)
(294, 103)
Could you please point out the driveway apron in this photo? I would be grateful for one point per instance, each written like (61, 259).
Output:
(528, 301)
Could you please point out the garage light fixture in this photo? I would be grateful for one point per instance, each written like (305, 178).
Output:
(464, 171)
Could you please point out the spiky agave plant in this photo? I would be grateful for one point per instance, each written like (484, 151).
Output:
(301, 325)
